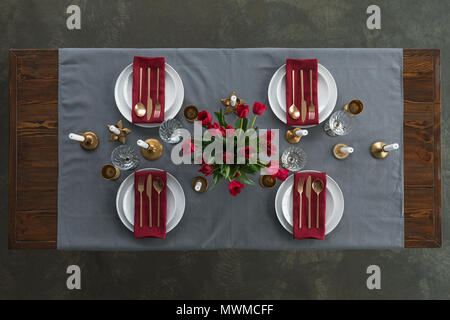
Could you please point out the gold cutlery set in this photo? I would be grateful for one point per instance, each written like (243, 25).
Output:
(293, 110)
(317, 186)
(157, 184)
(139, 109)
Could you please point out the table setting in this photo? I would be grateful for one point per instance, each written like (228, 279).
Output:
(334, 161)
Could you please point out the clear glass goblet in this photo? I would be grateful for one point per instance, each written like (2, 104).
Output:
(169, 131)
(125, 158)
(339, 124)
(293, 159)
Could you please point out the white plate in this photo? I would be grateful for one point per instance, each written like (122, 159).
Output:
(174, 94)
(175, 201)
(326, 88)
(334, 206)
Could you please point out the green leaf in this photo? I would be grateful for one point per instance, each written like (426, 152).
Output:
(243, 177)
(227, 172)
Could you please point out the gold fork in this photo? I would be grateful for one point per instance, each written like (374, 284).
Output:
(158, 105)
(140, 190)
(300, 192)
(312, 109)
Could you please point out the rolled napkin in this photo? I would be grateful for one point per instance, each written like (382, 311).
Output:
(304, 232)
(145, 230)
(154, 64)
(306, 66)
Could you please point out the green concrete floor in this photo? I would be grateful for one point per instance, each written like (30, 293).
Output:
(408, 273)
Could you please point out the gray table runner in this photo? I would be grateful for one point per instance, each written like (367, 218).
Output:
(373, 189)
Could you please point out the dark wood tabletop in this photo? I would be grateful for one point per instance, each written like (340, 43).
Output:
(33, 151)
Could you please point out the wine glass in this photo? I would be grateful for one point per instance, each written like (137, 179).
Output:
(339, 124)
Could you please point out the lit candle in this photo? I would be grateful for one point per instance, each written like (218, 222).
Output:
(347, 149)
(143, 144)
(114, 129)
(390, 147)
(301, 133)
(77, 137)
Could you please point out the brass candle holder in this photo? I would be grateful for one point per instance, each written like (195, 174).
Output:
(87, 140)
(294, 135)
(231, 103)
(380, 150)
(199, 184)
(151, 149)
(267, 181)
(354, 107)
(109, 172)
(190, 113)
(118, 132)
(341, 151)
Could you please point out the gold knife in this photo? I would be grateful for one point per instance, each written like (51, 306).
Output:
(303, 103)
(149, 99)
(308, 195)
(149, 188)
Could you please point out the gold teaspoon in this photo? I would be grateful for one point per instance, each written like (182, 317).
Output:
(139, 108)
(158, 185)
(317, 187)
(293, 110)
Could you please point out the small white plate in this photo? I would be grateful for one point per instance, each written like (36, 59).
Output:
(174, 94)
(326, 88)
(334, 207)
(175, 201)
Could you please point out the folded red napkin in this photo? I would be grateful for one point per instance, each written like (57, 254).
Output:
(145, 230)
(304, 232)
(306, 66)
(154, 64)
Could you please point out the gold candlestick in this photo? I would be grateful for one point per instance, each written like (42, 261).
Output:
(337, 151)
(292, 137)
(118, 132)
(153, 151)
(90, 141)
(380, 150)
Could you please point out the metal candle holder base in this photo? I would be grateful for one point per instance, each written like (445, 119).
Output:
(154, 150)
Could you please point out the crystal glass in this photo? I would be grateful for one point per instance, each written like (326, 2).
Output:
(169, 131)
(293, 159)
(125, 158)
(339, 124)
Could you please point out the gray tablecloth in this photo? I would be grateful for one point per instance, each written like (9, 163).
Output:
(373, 189)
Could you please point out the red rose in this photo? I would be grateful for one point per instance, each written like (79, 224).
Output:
(204, 117)
(282, 174)
(272, 168)
(214, 129)
(242, 111)
(258, 108)
(187, 147)
(235, 187)
(206, 169)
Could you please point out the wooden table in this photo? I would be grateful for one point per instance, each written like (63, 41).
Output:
(33, 153)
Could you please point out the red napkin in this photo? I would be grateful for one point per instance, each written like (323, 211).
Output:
(145, 230)
(306, 66)
(304, 232)
(144, 63)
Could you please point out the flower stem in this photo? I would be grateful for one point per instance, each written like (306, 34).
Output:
(253, 122)
(242, 120)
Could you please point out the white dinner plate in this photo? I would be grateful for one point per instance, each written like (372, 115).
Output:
(326, 89)
(175, 201)
(174, 94)
(334, 204)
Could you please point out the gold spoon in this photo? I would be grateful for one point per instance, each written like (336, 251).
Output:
(158, 185)
(300, 192)
(317, 187)
(139, 108)
(293, 110)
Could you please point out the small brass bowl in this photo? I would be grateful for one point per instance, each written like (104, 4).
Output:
(267, 181)
(354, 107)
(190, 113)
(203, 181)
(109, 172)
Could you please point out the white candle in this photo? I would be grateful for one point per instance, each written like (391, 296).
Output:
(143, 144)
(114, 129)
(77, 137)
(198, 186)
(390, 147)
(233, 100)
(301, 133)
(347, 149)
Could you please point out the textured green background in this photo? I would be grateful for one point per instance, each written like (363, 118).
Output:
(408, 273)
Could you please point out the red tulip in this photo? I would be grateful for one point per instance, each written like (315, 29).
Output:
(206, 169)
(214, 129)
(188, 146)
(204, 117)
(242, 111)
(247, 152)
(235, 187)
(282, 174)
(259, 108)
